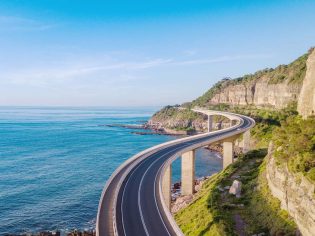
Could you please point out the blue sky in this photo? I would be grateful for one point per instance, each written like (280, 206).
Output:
(141, 53)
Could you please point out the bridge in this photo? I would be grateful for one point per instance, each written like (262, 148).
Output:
(136, 199)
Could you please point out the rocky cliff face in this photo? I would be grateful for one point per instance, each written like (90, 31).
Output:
(274, 88)
(296, 195)
(259, 93)
(306, 103)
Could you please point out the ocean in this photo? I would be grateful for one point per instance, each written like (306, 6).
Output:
(55, 161)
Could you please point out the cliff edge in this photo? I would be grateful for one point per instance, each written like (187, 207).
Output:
(306, 103)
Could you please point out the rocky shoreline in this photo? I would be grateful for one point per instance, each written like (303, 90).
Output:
(152, 129)
(58, 233)
(178, 201)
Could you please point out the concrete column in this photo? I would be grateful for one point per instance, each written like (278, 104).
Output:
(246, 141)
(220, 125)
(167, 185)
(209, 123)
(228, 148)
(188, 173)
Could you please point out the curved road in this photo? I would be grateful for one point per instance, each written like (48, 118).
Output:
(132, 203)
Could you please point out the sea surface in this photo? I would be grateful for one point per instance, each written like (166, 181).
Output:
(54, 163)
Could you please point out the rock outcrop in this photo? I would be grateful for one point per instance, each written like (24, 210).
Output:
(306, 103)
(236, 188)
(295, 194)
(259, 93)
(274, 88)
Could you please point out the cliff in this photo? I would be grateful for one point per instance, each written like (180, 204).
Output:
(174, 119)
(275, 88)
(271, 89)
(296, 194)
(306, 103)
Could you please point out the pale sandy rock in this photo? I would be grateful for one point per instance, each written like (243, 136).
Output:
(236, 188)
(259, 93)
(296, 196)
(306, 103)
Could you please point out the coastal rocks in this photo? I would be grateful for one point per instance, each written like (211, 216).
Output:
(236, 188)
(172, 124)
(218, 147)
(306, 103)
(179, 201)
(296, 194)
(59, 233)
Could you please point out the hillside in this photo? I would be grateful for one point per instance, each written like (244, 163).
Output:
(268, 90)
(273, 88)
(278, 195)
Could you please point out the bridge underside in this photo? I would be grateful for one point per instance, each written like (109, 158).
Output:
(188, 166)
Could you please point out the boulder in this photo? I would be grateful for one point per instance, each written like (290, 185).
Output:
(236, 188)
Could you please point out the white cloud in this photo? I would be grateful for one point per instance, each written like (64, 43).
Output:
(72, 72)
(49, 75)
(221, 59)
(14, 23)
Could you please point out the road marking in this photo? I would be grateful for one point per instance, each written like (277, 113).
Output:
(139, 191)
(189, 143)
(122, 201)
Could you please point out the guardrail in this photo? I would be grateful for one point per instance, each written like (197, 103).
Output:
(177, 154)
(134, 160)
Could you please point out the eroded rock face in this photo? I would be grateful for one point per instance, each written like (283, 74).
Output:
(306, 103)
(259, 93)
(297, 197)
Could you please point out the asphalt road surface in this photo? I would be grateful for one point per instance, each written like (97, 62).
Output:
(131, 204)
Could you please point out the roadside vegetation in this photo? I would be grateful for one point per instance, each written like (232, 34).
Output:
(216, 212)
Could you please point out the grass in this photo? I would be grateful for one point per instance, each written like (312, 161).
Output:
(213, 211)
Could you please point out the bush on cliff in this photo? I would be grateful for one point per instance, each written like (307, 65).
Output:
(175, 118)
(295, 145)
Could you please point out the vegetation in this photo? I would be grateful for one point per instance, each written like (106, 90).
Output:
(292, 73)
(214, 211)
(295, 145)
(175, 118)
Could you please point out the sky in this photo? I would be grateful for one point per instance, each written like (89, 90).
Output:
(141, 53)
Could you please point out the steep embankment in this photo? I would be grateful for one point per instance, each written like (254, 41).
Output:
(296, 195)
(216, 212)
(291, 170)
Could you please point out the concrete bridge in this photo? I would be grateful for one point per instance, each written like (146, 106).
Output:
(137, 197)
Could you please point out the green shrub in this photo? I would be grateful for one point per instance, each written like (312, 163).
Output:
(295, 145)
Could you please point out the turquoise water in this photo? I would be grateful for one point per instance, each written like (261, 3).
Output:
(54, 163)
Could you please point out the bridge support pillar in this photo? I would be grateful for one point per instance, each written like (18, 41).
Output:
(188, 173)
(167, 185)
(210, 123)
(246, 141)
(228, 147)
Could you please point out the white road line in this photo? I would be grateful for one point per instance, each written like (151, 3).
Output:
(139, 191)
(122, 201)
(140, 185)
